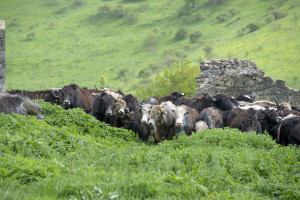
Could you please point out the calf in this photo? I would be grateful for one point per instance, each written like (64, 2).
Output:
(76, 97)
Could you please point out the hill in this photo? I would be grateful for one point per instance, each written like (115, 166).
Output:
(71, 155)
(122, 43)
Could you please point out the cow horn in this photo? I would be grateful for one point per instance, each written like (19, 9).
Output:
(276, 101)
(53, 93)
(289, 99)
(210, 95)
(140, 105)
(96, 87)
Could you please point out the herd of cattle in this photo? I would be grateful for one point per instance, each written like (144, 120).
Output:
(163, 118)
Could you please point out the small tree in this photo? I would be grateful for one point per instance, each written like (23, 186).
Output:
(180, 77)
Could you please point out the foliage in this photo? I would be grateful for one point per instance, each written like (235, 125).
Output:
(194, 37)
(180, 34)
(177, 77)
(108, 163)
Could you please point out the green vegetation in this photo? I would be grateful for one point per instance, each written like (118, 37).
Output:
(53, 43)
(70, 155)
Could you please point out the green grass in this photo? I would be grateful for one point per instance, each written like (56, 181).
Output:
(70, 155)
(53, 43)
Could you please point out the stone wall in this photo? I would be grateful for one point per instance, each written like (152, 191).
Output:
(235, 77)
(2, 56)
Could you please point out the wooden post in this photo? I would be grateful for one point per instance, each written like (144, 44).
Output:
(2, 56)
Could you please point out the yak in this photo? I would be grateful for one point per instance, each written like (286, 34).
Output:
(20, 105)
(186, 119)
(76, 97)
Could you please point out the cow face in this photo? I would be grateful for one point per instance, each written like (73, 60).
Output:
(180, 112)
(156, 115)
(145, 109)
(118, 107)
(223, 102)
(68, 95)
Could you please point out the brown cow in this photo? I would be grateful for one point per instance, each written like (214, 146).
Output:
(163, 120)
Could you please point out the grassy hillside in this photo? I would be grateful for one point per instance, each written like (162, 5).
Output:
(122, 43)
(71, 155)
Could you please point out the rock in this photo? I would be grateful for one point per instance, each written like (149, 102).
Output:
(268, 82)
(280, 84)
(204, 67)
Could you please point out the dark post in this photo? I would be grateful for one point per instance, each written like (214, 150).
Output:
(2, 56)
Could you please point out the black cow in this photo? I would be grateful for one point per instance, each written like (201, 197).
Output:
(76, 97)
(172, 97)
(288, 131)
(139, 126)
(19, 104)
(244, 120)
(244, 98)
(50, 95)
(107, 108)
(220, 101)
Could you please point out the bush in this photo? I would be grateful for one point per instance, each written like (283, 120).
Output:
(119, 12)
(30, 36)
(222, 17)
(77, 4)
(253, 27)
(194, 37)
(104, 10)
(269, 19)
(208, 51)
(151, 41)
(181, 34)
(278, 14)
(131, 18)
(61, 11)
(180, 77)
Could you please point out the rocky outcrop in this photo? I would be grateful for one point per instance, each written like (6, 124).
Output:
(2, 56)
(235, 77)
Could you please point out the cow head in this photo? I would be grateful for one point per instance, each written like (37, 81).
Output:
(250, 122)
(145, 110)
(180, 112)
(156, 115)
(223, 102)
(177, 95)
(69, 95)
(118, 107)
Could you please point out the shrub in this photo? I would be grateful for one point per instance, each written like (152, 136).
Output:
(208, 51)
(253, 27)
(151, 41)
(131, 18)
(145, 73)
(222, 17)
(278, 14)
(30, 36)
(179, 77)
(61, 10)
(119, 12)
(77, 4)
(194, 37)
(181, 34)
(104, 10)
(269, 19)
